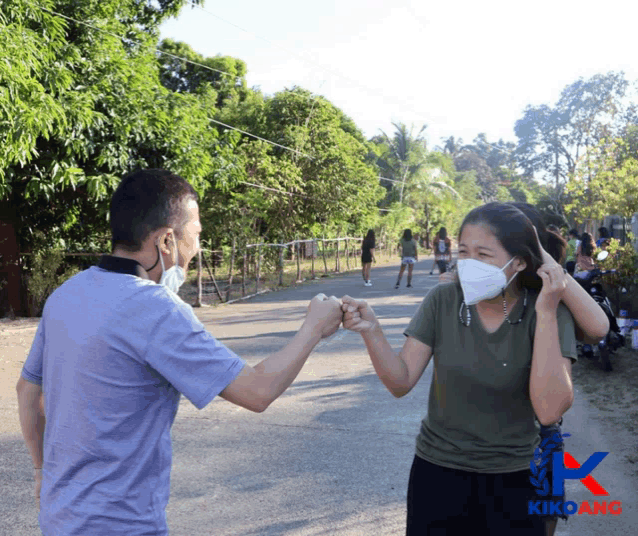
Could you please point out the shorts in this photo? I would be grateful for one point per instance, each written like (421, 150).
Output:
(365, 259)
(408, 260)
(442, 266)
(449, 502)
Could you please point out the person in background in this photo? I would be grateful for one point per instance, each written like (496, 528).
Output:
(585, 254)
(367, 257)
(442, 247)
(605, 244)
(409, 255)
(603, 234)
(572, 245)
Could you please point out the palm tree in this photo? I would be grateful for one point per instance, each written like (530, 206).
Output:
(405, 160)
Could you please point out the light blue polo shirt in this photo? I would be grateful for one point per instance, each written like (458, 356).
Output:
(113, 352)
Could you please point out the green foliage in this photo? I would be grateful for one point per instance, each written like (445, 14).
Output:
(46, 273)
(325, 187)
(607, 184)
(623, 259)
(80, 107)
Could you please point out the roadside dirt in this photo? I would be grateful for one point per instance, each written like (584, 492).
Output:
(615, 395)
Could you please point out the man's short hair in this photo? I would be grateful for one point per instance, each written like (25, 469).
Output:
(147, 200)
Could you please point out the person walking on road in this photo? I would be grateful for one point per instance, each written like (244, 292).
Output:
(503, 348)
(367, 257)
(113, 353)
(442, 247)
(409, 256)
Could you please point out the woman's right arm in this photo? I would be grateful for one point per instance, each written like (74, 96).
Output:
(399, 373)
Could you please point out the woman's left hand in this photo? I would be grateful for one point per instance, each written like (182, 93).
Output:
(554, 281)
(554, 285)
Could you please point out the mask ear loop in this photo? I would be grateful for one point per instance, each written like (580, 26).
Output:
(159, 256)
(505, 303)
(158, 259)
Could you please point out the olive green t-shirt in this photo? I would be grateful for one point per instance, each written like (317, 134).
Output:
(408, 248)
(480, 416)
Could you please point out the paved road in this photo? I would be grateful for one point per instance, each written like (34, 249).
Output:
(332, 455)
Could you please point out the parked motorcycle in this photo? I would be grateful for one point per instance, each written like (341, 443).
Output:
(614, 339)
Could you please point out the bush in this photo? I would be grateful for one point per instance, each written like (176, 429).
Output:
(44, 277)
(623, 259)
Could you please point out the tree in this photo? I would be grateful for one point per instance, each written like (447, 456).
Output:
(325, 179)
(404, 156)
(470, 161)
(80, 107)
(609, 183)
(226, 75)
(552, 140)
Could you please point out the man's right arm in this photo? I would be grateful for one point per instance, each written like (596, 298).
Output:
(255, 388)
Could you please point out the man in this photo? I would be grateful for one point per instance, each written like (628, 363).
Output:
(603, 234)
(113, 352)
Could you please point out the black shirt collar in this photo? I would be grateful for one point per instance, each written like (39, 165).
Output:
(121, 265)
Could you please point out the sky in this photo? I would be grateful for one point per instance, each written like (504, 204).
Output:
(461, 68)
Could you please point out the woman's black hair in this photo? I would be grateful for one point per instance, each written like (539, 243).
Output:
(370, 235)
(551, 241)
(587, 245)
(603, 232)
(407, 234)
(442, 233)
(574, 233)
(514, 230)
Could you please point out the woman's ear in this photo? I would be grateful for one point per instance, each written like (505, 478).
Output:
(519, 264)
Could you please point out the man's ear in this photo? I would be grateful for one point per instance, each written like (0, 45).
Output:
(161, 239)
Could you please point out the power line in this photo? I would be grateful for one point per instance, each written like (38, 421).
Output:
(262, 139)
(132, 41)
(275, 190)
(390, 180)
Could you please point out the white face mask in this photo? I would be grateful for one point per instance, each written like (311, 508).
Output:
(481, 281)
(174, 277)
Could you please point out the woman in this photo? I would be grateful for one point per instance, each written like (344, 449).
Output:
(442, 251)
(409, 255)
(591, 322)
(503, 348)
(584, 254)
(367, 257)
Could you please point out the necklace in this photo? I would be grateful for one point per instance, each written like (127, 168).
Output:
(468, 315)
